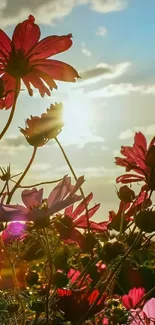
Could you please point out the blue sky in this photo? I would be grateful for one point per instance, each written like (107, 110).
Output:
(114, 52)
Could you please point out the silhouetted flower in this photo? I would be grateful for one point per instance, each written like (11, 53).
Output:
(39, 130)
(39, 210)
(26, 57)
(72, 219)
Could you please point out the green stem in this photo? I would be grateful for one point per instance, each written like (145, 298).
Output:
(12, 111)
(22, 176)
(75, 177)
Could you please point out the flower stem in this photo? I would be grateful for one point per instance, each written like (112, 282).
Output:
(22, 176)
(12, 111)
(42, 183)
(17, 289)
(75, 177)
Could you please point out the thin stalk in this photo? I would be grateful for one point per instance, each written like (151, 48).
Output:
(17, 288)
(12, 111)
(75, 177)
(22, 176)
(38, 184)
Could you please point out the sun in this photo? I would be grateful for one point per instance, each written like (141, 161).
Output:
(77, 118)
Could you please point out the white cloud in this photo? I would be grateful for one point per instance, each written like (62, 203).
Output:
(90, 172)
(41, 167)
(103, 71)
(101, 31)
(122, 89)
(108, 5)
(85, 51)
(49, 11)
(126, 134)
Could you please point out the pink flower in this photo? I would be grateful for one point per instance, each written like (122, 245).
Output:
(138, 158)
(149, 310)
(38, 209)
(13, 231)
(133, 297)
(128, 210)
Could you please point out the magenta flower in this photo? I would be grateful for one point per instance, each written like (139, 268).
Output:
(14, 230)
(38, 209)
(133, 297)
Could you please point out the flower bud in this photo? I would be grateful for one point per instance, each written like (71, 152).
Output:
(150, 157)
(145, 220)
(125, 194)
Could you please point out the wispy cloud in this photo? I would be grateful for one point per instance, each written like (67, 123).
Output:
(101, 31)
(41, 167)
(91, 172)
(49, 11)
(103, 71)
(85, 51)
(147, 130)
(122, 89)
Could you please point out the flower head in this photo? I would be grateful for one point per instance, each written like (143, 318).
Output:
(72, 219)
(39, 130)
(38, 209)
(133, 297)
(140, 159)
(25, 58)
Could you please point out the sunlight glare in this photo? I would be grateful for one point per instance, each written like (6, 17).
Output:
(77, 118)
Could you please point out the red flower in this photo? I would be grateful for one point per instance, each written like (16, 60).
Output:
(76, 303)
(133, 297)
(127, 209)
(72, 219)
(25, 57)
(136, 159)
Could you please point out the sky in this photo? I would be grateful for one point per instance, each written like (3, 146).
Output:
(113, 51)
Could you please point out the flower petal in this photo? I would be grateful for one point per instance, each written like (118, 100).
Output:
(5, 45)
(60, 191)
(26, 35)
(49, 46)
(57, 70)
(32, 198)
(82, 206)
(79, 221)
(129, 178)
(37, 83)
(9, 88)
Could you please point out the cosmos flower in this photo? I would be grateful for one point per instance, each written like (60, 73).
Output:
(13, 231)
(140, 159)
(72, 219)
(39, 130)
(133, 297)
(25, 58)
(38, 209)
(128, 210)
(76, 303)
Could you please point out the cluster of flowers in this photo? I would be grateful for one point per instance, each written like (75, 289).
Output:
(57, 265)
